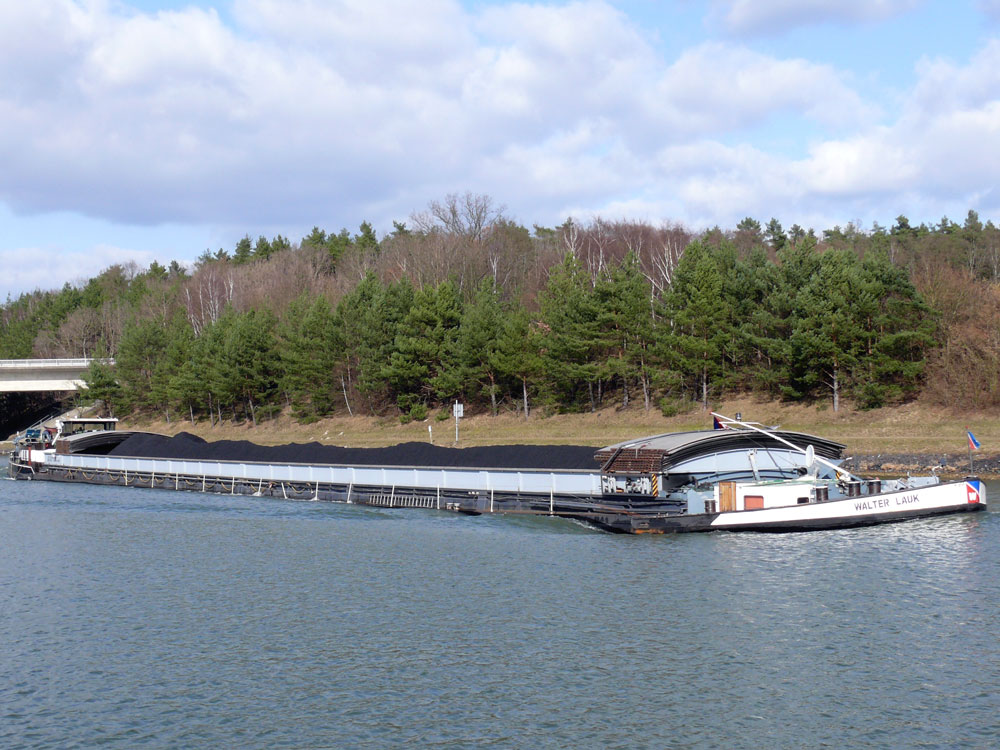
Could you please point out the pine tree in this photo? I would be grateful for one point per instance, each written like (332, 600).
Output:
(624, 318)
(315, 238)
(366, 240)
(311, 346)
(826, 340)
(339, 245)
(569, 315)
(101, 382)
(422, 364)
(898, 332)
(217, 372)
(698, 317)
(184, 389)
(252, 359)
(756, 297)
(371, 315)
(518, 355)
(262, 250)
(244, 251)
(140, 352)
(176, 354)
(775, 235)
(479, 341)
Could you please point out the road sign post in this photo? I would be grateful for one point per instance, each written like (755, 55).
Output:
(458, 410)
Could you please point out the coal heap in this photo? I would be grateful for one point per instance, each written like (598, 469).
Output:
(187, 446)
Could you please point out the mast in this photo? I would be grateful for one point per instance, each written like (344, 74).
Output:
(809, 452)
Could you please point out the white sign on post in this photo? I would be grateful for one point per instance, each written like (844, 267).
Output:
(458, 410)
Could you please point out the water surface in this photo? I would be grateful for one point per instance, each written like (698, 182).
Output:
(146, 618)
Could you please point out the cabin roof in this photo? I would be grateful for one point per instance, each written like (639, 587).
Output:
(673, 448)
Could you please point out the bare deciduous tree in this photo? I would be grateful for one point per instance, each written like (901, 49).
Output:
(469, 215)
(207, 293)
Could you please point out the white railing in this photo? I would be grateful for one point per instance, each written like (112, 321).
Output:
(576, 483)
(35, 364)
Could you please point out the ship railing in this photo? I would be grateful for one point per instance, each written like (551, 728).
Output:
(583, 483)
(77, 363)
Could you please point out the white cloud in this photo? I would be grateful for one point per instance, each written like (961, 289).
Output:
(945, 145)
(39, 44)
(307, 112)
(368, 41)
(30, 268)
(940, 155)
(308, 107)
(720, 184)
(719, 87)
(944, 85)
(557, 62)
(873, 163)
(769, 17)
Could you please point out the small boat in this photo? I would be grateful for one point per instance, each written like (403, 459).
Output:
(32, 445)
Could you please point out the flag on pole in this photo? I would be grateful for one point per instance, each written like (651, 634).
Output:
(717, 425)
(973, 443)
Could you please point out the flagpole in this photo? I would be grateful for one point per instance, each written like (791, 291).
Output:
(968, 439)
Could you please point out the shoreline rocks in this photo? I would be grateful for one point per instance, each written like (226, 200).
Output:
(943, 464)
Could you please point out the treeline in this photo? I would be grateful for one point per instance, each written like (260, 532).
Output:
(466, 304)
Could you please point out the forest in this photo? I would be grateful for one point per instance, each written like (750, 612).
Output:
(463, 303)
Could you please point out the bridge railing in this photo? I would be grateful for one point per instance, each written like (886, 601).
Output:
(75, 364)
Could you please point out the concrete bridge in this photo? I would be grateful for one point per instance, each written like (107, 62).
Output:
(20, 375)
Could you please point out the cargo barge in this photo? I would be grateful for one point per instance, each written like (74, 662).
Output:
(743, 477)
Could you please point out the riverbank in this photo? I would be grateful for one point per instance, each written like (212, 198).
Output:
(910, 438)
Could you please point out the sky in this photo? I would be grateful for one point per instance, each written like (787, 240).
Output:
(156, 129)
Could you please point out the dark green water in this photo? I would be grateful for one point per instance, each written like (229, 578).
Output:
(147, 619)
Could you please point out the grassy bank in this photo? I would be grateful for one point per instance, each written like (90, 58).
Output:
(907, 429)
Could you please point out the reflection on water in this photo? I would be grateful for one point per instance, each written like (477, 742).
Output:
(137, 618)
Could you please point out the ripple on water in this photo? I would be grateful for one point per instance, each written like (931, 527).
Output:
(137, 618)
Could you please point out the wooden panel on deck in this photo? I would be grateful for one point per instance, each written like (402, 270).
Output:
(727, 496)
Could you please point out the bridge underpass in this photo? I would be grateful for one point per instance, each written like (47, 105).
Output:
(33, 389)
(39, 375)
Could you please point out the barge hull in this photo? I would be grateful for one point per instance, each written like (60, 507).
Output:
(964, 496)
(637, 524)
(571, 493)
